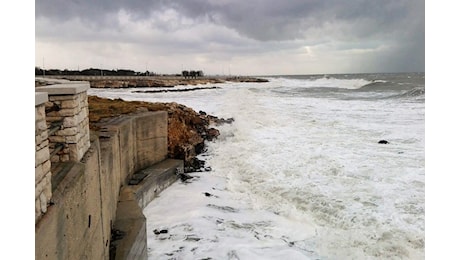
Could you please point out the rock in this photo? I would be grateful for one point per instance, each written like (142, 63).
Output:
(163, 231)
(212, 134)
(184, 177)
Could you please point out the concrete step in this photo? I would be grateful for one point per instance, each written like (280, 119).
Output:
(130, 222)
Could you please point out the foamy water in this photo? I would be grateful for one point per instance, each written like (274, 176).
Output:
(300, 173)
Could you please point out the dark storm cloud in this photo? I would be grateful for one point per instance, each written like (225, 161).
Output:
(261, 20)
(244, 27)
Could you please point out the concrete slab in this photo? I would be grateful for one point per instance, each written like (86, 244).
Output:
(40, 98)
(130, 220)
(68, 88)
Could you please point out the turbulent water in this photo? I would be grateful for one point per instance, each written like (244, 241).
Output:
(300, 173)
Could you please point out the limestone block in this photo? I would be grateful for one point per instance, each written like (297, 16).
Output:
(53, 114)
(40, 187)
(43, 202)
(40, 126)
(41, 156)
(57, 139)
(70, 122)
(73, 153)
(69, 103)
(61, 97)
(40, 112)
(39, 175)
(38, 211)
(50, 104)
(73, 139)
(68, 112)
(43, 144)
(78, 118)
(46, 167)
(67, 131)
(47, 188)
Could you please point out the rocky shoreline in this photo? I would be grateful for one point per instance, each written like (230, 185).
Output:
(174, 90)
(187, 129)
(155, 81)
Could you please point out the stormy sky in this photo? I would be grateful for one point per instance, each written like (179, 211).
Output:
(238, 37)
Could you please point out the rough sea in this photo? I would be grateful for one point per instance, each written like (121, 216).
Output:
(300, 173)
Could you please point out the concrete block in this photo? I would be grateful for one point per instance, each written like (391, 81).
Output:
(40, 98)
(132, 222)
(151, 151)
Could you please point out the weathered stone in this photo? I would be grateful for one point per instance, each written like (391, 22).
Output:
(67, 131)
(46, 167)
(70, 103)
(43, 202)
(57, 139)
(40, 112)
(39, 140)
(38, 211)
(68, 112)
(62, 97)
(43, 144)
(70, 122)
(73, 153)
(40, 125)
(50, 104)
(72, 139)
(39, 187)
(39, 175)
(47, 188)
(41, 156)
(212, 134)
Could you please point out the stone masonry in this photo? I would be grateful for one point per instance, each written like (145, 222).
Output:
(67, 112)
(79, 177)
(42, 158)
(61, 121)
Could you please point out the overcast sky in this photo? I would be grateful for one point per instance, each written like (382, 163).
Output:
(238, 37)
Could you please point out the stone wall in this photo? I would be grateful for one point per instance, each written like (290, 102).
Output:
(67, 117)
(42, 158)
(84, 187)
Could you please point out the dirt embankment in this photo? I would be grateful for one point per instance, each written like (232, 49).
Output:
(187, 129)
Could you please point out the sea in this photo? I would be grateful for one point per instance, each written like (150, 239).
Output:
(303, 172)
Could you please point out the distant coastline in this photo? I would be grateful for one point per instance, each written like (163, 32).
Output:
(151, 81)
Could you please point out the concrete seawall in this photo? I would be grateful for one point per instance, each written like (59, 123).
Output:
(94, 209)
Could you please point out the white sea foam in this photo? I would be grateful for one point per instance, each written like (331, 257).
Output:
(297, 177)
(325, 82)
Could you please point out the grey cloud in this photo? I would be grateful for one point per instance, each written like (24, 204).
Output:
(260, 20)
(243, 27)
